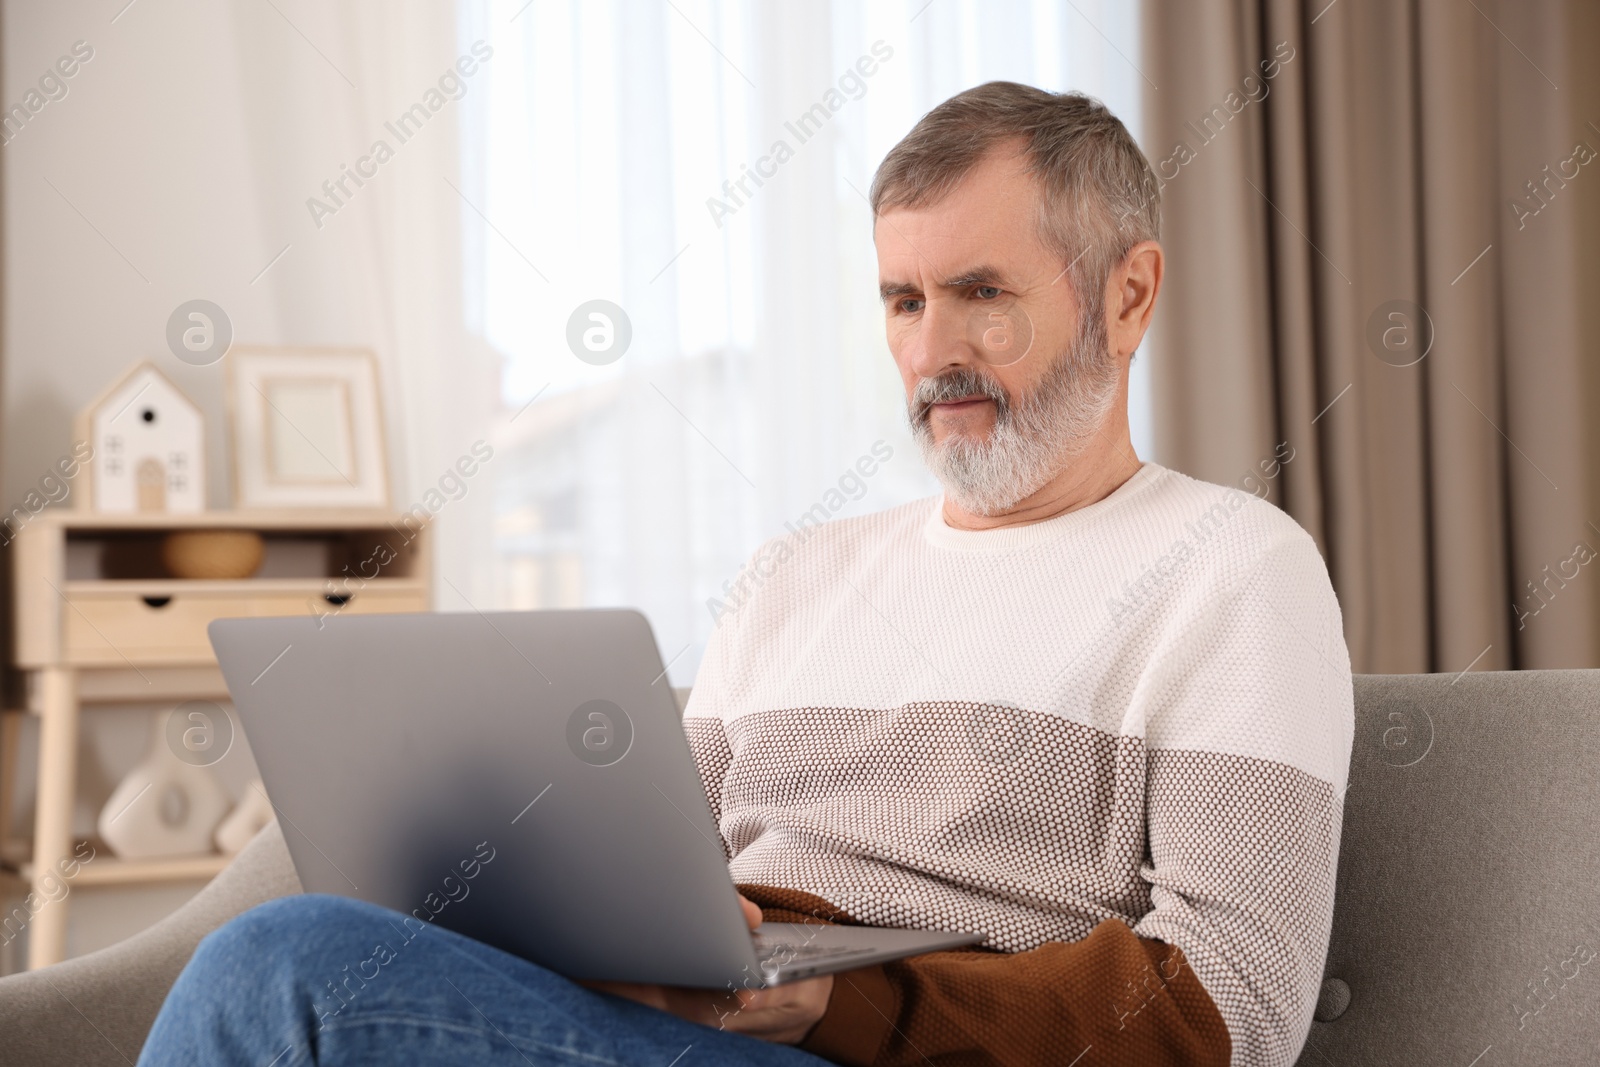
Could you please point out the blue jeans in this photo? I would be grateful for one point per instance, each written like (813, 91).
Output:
(327, 980)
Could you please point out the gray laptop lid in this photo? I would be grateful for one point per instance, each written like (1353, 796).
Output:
(519, 777)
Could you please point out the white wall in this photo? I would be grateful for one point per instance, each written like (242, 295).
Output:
(187, 147)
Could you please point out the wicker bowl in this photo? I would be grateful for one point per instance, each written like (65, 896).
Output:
(212, 553)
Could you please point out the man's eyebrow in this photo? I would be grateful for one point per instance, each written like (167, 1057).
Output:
(980, 275)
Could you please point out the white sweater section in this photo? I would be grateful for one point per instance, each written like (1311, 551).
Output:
(1140, 709)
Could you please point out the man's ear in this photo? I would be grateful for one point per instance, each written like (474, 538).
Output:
(1131, 297)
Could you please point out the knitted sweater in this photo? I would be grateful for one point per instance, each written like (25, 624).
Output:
(1115, 742)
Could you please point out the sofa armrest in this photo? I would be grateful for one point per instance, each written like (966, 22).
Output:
(98, 1009)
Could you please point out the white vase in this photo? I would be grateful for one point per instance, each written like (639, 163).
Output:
(245, 821)
(164, 807)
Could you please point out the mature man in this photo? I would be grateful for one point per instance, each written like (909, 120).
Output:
(1087, 706)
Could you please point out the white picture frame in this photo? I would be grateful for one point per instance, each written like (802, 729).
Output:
(306, 426)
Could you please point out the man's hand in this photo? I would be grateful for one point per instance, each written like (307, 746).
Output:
(784, 1014)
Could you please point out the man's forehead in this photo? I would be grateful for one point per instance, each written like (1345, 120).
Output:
(964, 255)
(960, 220)
(976, 225)
(940, 254)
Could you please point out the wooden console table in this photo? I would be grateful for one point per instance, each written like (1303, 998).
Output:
(95, 620)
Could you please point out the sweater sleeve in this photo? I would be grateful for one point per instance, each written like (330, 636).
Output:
(712, 755)
(702, 717)
(1111, 999)
(1249, 717)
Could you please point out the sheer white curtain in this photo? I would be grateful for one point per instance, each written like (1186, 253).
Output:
(703, 165)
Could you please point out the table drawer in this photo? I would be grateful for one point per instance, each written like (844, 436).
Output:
(104, 628)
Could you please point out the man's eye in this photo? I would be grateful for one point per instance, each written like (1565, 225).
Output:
(988, 292)
(911, 305)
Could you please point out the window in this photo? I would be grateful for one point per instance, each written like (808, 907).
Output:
(630, 152)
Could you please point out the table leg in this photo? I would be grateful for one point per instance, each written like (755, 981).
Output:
(52, 834)
(10, 742)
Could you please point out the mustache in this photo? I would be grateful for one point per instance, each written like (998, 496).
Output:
(956, 385)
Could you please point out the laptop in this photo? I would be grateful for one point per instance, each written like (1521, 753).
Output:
(521, 778)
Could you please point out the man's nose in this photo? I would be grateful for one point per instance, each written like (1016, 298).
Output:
(942, 343)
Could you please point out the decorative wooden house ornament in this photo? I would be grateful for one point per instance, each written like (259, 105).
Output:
(149, 446)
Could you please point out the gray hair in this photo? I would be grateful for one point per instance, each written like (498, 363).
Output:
(1100, 196)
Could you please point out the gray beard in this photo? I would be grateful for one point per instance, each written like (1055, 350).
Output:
(1033, 439)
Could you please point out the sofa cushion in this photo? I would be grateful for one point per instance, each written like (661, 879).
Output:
(1467, 915)
(97, 1009)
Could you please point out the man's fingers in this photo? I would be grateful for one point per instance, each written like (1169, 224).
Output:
(785, 1013)
(752, 912)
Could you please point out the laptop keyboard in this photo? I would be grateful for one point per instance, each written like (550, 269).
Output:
(772, 952)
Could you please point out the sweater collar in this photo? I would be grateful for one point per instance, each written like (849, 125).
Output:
(1009, 538)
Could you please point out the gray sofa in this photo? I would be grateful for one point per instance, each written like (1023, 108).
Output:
(1466, 927)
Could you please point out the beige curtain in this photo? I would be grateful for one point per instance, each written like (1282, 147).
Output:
(1383, 228)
